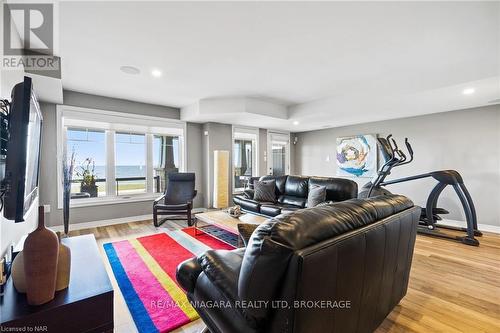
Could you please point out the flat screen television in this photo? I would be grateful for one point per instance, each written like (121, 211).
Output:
(23, 152)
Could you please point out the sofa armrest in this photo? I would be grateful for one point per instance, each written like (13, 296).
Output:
(222, 267)
(249, 193)
(187, 273)
(246, 230)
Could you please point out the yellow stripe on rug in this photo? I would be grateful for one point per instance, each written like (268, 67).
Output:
(166, 282)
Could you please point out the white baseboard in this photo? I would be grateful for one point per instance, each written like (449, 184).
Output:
(482, 227)
(102, 223)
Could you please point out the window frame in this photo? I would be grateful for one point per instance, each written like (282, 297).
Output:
(112, 122)
(146, 162)
(245, 133)
(65, 143)
(278, 136)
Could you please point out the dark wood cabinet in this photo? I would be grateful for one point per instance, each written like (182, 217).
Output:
(85, 306)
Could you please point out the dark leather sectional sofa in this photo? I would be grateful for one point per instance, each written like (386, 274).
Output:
(357, 251)
(292, 191)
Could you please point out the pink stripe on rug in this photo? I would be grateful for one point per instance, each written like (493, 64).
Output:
(166, 251)
(158, 303)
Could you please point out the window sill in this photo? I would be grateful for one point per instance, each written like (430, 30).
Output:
(75, 203)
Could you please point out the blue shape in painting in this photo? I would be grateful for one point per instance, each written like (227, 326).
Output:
(357, 156)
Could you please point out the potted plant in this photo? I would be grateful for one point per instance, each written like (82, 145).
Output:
(86, 172)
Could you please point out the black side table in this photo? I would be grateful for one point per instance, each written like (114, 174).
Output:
(85, 306)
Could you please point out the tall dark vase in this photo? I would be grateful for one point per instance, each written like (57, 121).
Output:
(41, 250)
(66, 199)
(67, 179)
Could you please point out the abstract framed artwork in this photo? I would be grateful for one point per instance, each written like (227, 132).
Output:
(357, 156)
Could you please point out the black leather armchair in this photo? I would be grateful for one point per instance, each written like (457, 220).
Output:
(356, 254)
(177, 199)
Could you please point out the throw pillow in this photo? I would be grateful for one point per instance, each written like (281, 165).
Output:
(265, 191)
(317, 194)
(246, 230)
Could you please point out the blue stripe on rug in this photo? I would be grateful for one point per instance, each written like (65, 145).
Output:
(139, 313)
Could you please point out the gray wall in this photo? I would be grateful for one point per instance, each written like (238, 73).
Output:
(262, 152)
(293, 168)
(466, 140)
(195, 159)
(48, 170)
(219, 137)
(121, 105)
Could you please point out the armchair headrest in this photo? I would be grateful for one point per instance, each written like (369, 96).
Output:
(181, 176)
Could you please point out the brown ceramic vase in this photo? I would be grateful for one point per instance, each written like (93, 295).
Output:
(41, 250)
(17, 271)
(63, 265)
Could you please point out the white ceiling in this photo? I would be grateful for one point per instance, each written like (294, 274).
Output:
(331, 63)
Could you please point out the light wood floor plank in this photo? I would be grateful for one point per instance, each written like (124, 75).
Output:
(452, 288)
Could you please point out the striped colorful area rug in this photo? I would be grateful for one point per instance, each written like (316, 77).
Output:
(145, 271)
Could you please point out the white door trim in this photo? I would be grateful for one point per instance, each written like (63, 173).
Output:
(277, 136)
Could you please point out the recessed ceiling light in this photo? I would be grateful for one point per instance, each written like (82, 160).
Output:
(156, 72)
(296, 122)
(468, 91)
(130, 70)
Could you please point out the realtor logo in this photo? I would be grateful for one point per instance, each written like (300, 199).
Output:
(35, 23)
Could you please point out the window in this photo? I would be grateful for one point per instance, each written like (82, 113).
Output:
(118, 157)
(130, 163)
(88, 148)
(165, 159)
(243, 153)
(244, 157)
(279, 159)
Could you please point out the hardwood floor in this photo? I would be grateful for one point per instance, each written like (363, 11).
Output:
(453, 287)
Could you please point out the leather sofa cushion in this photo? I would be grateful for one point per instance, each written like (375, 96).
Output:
(313, 225)
(247, 204)
(337, 189)
(297, 186)
(293, 200)
(223, 268)
(280, 183)
(287, 209)
(270, 210)
(264, 263)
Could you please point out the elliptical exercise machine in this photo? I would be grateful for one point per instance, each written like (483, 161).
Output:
(428, 225)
